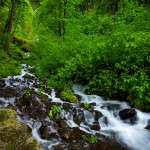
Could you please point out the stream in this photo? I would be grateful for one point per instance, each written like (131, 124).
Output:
(115, 124)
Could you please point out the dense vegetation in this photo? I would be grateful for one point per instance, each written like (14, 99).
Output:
(16, 34)
(103, 45)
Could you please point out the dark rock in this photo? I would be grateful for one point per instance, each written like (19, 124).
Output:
(10, 106)
(37, 113)
(148, 121)
(127, 113)
(47, 90)
(104, 120)
(76, 145)
(105, 145)
(7, 92)
(98, 115)
(61, 146)
(58, 93)
(78, 116)
(93, 104)
(46, 132)
(42, 97)
(24, 101)
(65, 133)
(2, 83)
(78, 97)
(62, 123)
(95, 127)
(111, 107)
(71, 133)
(147, 127)
(66, 106)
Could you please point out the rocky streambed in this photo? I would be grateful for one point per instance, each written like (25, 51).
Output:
(90, 123)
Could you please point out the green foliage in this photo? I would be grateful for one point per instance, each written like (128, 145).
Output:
(54, 112)
(22, 28)
(8, 66)
(68, 96)
(92, 139)
(86, 105)
(84, 137)
(109, 54)
(40, 90)
(27, 93)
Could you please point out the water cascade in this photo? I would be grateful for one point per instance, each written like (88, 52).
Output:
(112, 122)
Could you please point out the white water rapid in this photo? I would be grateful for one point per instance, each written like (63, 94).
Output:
(134, 136)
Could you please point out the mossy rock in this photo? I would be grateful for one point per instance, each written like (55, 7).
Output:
(74, 99)
(25, 45)
(14, 134)
(68, 96)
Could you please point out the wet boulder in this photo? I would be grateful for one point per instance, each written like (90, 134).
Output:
(95, 126)
(71, 133)
(2, 83)
(147, 127)
(10, 106)
(78, 116)
(42, 97)
(98, 115)
(105, 144)
(66, 106)
(7, 92)
(78, 97)
(111, 107)
(46, 133)
(47, 90)
(127, 113)
(14, 134)
(62, 124)
(76, 145)
(148, 121)
(61, 146)
(24, 101)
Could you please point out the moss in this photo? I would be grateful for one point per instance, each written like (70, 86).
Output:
(24, 44)
(68, 96)
(74, 99)
(14, 133)
(8, 65)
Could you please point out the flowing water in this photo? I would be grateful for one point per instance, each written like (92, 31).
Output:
(130, 133)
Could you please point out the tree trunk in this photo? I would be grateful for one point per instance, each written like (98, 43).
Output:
(93, 3)
(60, 21)
(83, 7)
(114, 7)
(0, 4)
(87, 5)
(65, 5)
(9, 27)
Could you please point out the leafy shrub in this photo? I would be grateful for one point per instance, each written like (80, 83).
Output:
(54, 112)
(68, 96)
(27, 93)
(91, 139)
(86, 105)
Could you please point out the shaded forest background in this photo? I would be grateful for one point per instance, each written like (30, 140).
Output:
(101, 44)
